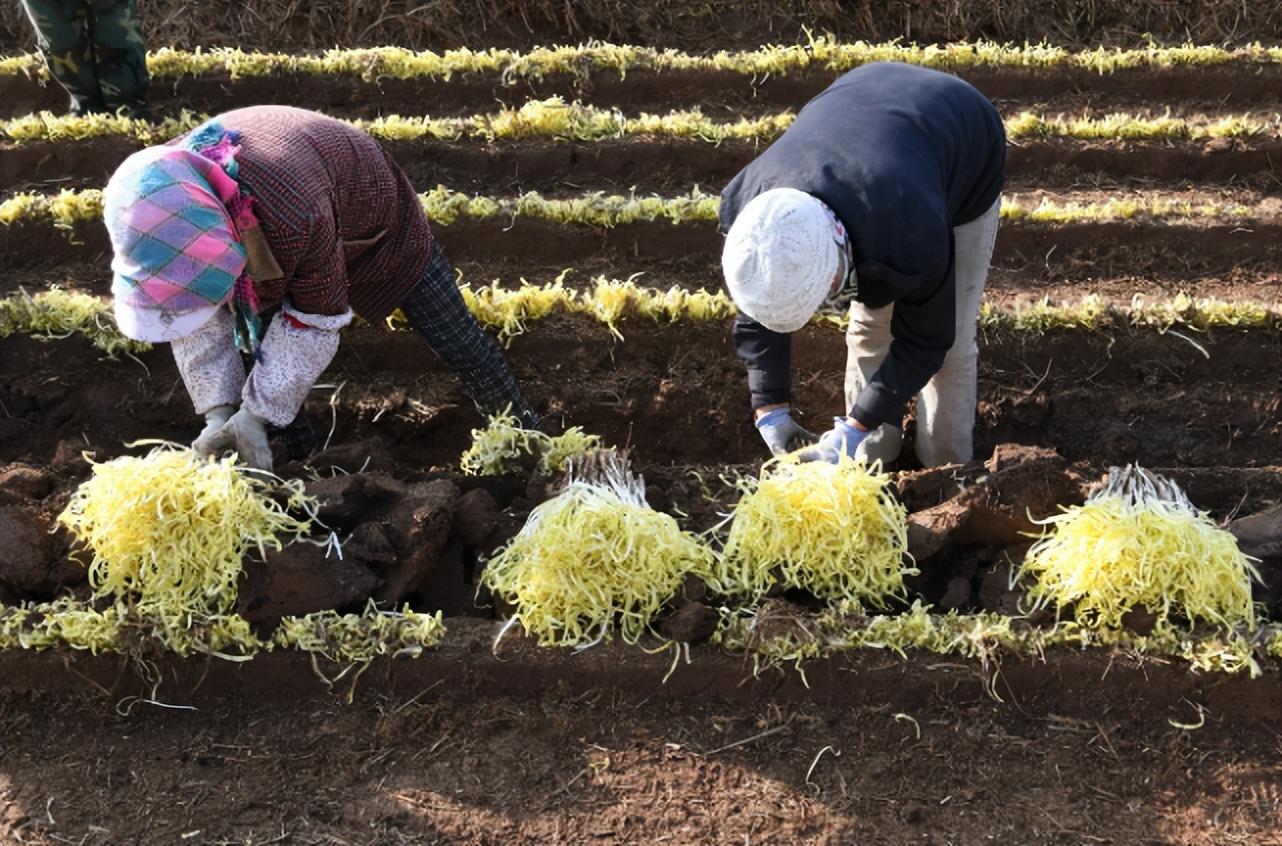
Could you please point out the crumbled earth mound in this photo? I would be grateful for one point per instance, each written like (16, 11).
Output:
(424, 542)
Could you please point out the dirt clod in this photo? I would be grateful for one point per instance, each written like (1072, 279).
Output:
(300, 579)
(998, 508)
(995, 592)
(27, 560)
(693, 622)
(420, 526)
(476, 514)
(371, 543)
(446, 588)
(20, 481)
(366, 455)
(346, 501)
(69, 456)
(1260, 535)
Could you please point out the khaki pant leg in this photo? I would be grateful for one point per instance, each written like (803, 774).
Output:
(867, 343)
(946, 406)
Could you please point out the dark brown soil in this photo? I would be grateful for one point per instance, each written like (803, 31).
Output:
(668, 166)
(632, 246)
(551, 748)
(1233, 87)
(677, 395)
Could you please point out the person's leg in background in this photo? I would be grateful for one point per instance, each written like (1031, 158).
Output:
(63, 34)
(120, 54)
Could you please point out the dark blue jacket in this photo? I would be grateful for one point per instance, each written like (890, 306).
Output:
(902, 154)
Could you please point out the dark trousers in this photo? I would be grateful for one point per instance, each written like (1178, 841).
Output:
(94, 49)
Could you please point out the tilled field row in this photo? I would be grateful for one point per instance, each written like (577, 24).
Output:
(1110, 395)
(467, 659)
(554, 119)
(1031, 71)
(662, 163)
(1017, 282)
(510, 311)
(1189, 206)
(1190, 245)
(1212, 89)
(821, 53)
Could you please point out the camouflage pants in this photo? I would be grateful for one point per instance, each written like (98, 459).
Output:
(95, 49)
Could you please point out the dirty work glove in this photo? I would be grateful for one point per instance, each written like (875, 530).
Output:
(243, 433)
(214, 420)
(841, 439)
(781, 433)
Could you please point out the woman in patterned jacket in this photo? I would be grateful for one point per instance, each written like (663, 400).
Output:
(273, 206)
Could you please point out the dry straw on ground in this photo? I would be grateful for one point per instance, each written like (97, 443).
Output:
(695, 24)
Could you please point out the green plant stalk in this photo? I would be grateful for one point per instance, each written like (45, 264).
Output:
(121, 628)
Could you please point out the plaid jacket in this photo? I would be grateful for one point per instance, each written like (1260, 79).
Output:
(342, 221)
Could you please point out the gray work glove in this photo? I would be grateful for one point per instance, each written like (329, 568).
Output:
(244, 433)
(214, 420)
(781, 433)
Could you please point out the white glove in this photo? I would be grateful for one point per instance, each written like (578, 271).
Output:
(210, 364)
(244, 433)
(295, 352)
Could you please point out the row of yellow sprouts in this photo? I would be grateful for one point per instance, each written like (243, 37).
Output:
(597, 208)
(822, 53)
(555, 119)
(510, 312)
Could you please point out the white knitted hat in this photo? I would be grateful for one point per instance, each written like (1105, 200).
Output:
(780, 258)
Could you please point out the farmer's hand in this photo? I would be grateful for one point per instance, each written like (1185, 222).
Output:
(214, 420)
(781, 433)
(244, 433)
(842, 439)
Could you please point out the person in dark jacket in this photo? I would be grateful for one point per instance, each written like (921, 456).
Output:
(268, 207)
(884, 193)
(94, 48)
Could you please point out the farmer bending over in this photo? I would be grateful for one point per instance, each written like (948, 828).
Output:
(273, 206)
(883, 193)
